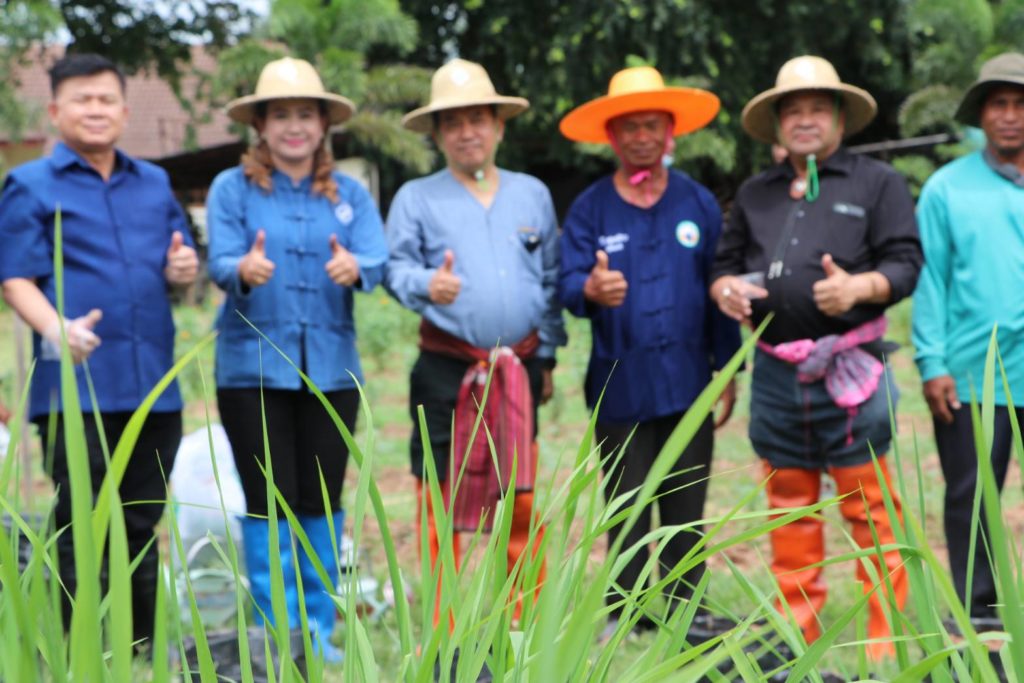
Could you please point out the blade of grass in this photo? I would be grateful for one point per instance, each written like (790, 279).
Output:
(380, 510)
(1011, 604)
(86, 644)
(130, 435)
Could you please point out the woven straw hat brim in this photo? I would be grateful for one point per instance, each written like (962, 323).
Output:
(759, 116)
(969, 111)
(339, 109)
(422, 120)
(691, 108)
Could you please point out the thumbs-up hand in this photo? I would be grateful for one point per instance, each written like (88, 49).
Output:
(445, 285)
(604, 286)
(343, 269)
(255, 268)
(82, 340)
(182, 262)
(838, 292)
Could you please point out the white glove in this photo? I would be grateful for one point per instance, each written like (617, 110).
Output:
(82, 341)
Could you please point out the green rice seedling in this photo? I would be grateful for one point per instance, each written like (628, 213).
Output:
(555, 639)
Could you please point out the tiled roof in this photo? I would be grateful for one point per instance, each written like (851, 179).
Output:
(156, 121)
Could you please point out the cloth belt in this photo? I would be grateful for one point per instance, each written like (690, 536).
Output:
(507, 423)
(851, 374)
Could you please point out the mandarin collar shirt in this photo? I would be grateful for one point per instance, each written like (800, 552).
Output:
(654, 354)
(863, 217)
(300, 309)
(116, 234)
(506, 256)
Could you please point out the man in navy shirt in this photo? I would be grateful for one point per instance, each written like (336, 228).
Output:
(637, 251)
(125, 241)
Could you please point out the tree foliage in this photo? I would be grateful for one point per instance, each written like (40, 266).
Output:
(560, 54)
(152, 35)
(137, 36)
(336, 37)
(950, 40)
(26, 23)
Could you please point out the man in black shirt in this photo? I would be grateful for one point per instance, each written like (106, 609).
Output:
(825, 241)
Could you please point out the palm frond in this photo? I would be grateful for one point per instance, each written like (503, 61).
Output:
(929, 110)
(382, 133)
(398, 85)
(709, 145)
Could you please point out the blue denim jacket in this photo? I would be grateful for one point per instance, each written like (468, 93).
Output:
(300, 309)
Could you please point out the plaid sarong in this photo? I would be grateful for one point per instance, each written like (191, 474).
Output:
(507, 420)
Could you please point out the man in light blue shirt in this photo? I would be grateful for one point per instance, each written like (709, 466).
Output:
(971, 216)
(474, 250)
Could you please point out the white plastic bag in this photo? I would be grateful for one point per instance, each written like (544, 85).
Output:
(5, 441)
(197, 506)
(200, 518)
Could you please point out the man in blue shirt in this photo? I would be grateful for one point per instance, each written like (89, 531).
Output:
(125, 240)
(637, 252)
(971, 216)
(474, 250)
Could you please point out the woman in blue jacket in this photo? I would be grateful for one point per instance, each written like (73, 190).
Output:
(291, 239)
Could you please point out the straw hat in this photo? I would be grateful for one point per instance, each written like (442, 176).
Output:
(636, 89)
(461, 84)
(1004, 69)
(806, 73)
(290, 79)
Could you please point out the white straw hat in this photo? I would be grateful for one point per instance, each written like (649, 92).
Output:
(290, 78)
(806, 73)
(461, 84)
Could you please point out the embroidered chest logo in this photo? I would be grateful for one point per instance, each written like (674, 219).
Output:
(344, 213)
(688, 234)
(613, 243)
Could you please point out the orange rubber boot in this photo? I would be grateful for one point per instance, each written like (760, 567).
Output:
(434, 543)
(798, 545)
(862, 485)
(519, 540)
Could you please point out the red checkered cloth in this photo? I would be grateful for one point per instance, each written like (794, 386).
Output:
(507, 419)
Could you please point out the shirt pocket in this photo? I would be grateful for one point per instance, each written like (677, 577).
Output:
(848, 232)
(527, 243)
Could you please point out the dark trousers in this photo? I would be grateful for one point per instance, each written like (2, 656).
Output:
(144, 480)
(304, 443)
(960, 468)
(434, 383)
(680, 496)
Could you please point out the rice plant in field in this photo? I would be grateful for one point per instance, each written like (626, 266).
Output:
(558, 635)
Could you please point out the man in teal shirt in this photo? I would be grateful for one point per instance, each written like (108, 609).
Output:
(971, 217)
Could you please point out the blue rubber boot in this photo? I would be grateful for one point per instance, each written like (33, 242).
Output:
(258, 556)
(320, 607)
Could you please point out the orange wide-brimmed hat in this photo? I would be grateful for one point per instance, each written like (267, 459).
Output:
(638, 89)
